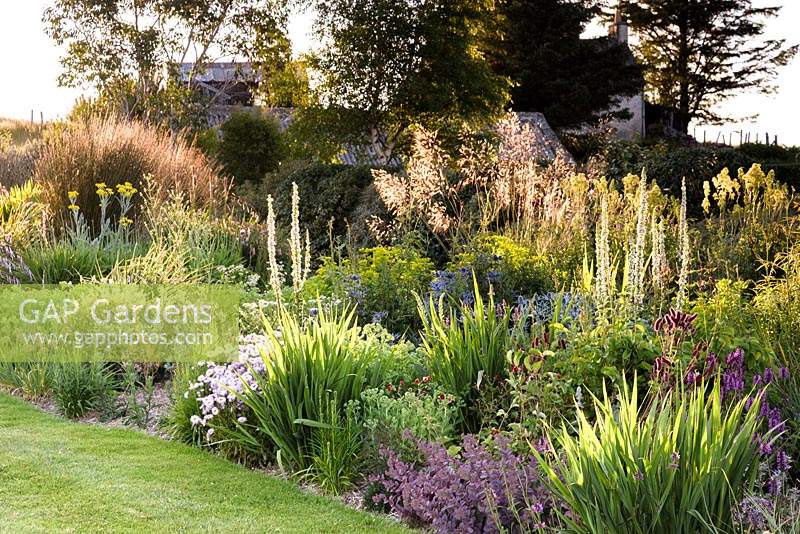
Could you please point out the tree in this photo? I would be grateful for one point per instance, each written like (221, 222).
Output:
(391, 64)
(573, 81)
(130, 50)
(699, 52)
(251, 146)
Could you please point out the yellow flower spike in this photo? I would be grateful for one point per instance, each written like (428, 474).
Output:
(73, 207)
(124, 221)
(72, 195)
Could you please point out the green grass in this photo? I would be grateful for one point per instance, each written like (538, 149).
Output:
(57, 475)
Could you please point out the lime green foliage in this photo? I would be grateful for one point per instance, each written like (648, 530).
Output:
(328, 359)
(52, 468)
(80, 387)
(381, 279)
(21, 212)
(518, 270)
(777, 305)
(399, 359)
(679, 464)
(251, 146)
(754, 222)
(465, 347)
(725, 319)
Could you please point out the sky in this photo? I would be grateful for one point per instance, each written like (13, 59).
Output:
(30, 66)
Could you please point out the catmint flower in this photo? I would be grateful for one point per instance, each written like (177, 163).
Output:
(638, 475)
(783, 373)
(493, 277)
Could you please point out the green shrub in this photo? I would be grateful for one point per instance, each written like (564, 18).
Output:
(251, 146)
(676, 464)
(382, 281)
(605, 353)
(726, 321)
(329, 195)
(465, 348)
(306, 365)
(512, 269)
(80, 387)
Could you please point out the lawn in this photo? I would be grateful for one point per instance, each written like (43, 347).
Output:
(61, 476)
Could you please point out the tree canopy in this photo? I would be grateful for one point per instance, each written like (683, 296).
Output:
(388, 64)
(697, 53)
(129, 50)
(573, 81)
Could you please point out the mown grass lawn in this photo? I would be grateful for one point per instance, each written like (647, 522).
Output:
(56, 475)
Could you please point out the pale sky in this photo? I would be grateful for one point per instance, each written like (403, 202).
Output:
(29, 62)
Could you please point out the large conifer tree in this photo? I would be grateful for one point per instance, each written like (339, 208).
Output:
(696, 53)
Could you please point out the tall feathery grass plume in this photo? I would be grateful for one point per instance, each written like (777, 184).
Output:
(659, 266)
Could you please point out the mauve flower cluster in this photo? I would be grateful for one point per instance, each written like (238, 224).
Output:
(479, 490)
(216, 389)
(733, 384)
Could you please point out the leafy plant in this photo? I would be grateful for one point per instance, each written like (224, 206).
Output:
(32, 379)
(382, 281)
(465, 346)
(289, 400)
(480, 489)
(336, 447)
(511, 269)
(387, 413)
(80, 387)
(680, 464)
(251, 145)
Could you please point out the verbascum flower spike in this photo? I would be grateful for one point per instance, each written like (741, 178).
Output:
(683, 245)
(274, 267)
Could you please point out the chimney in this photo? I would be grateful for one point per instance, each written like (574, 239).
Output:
(619, 28)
